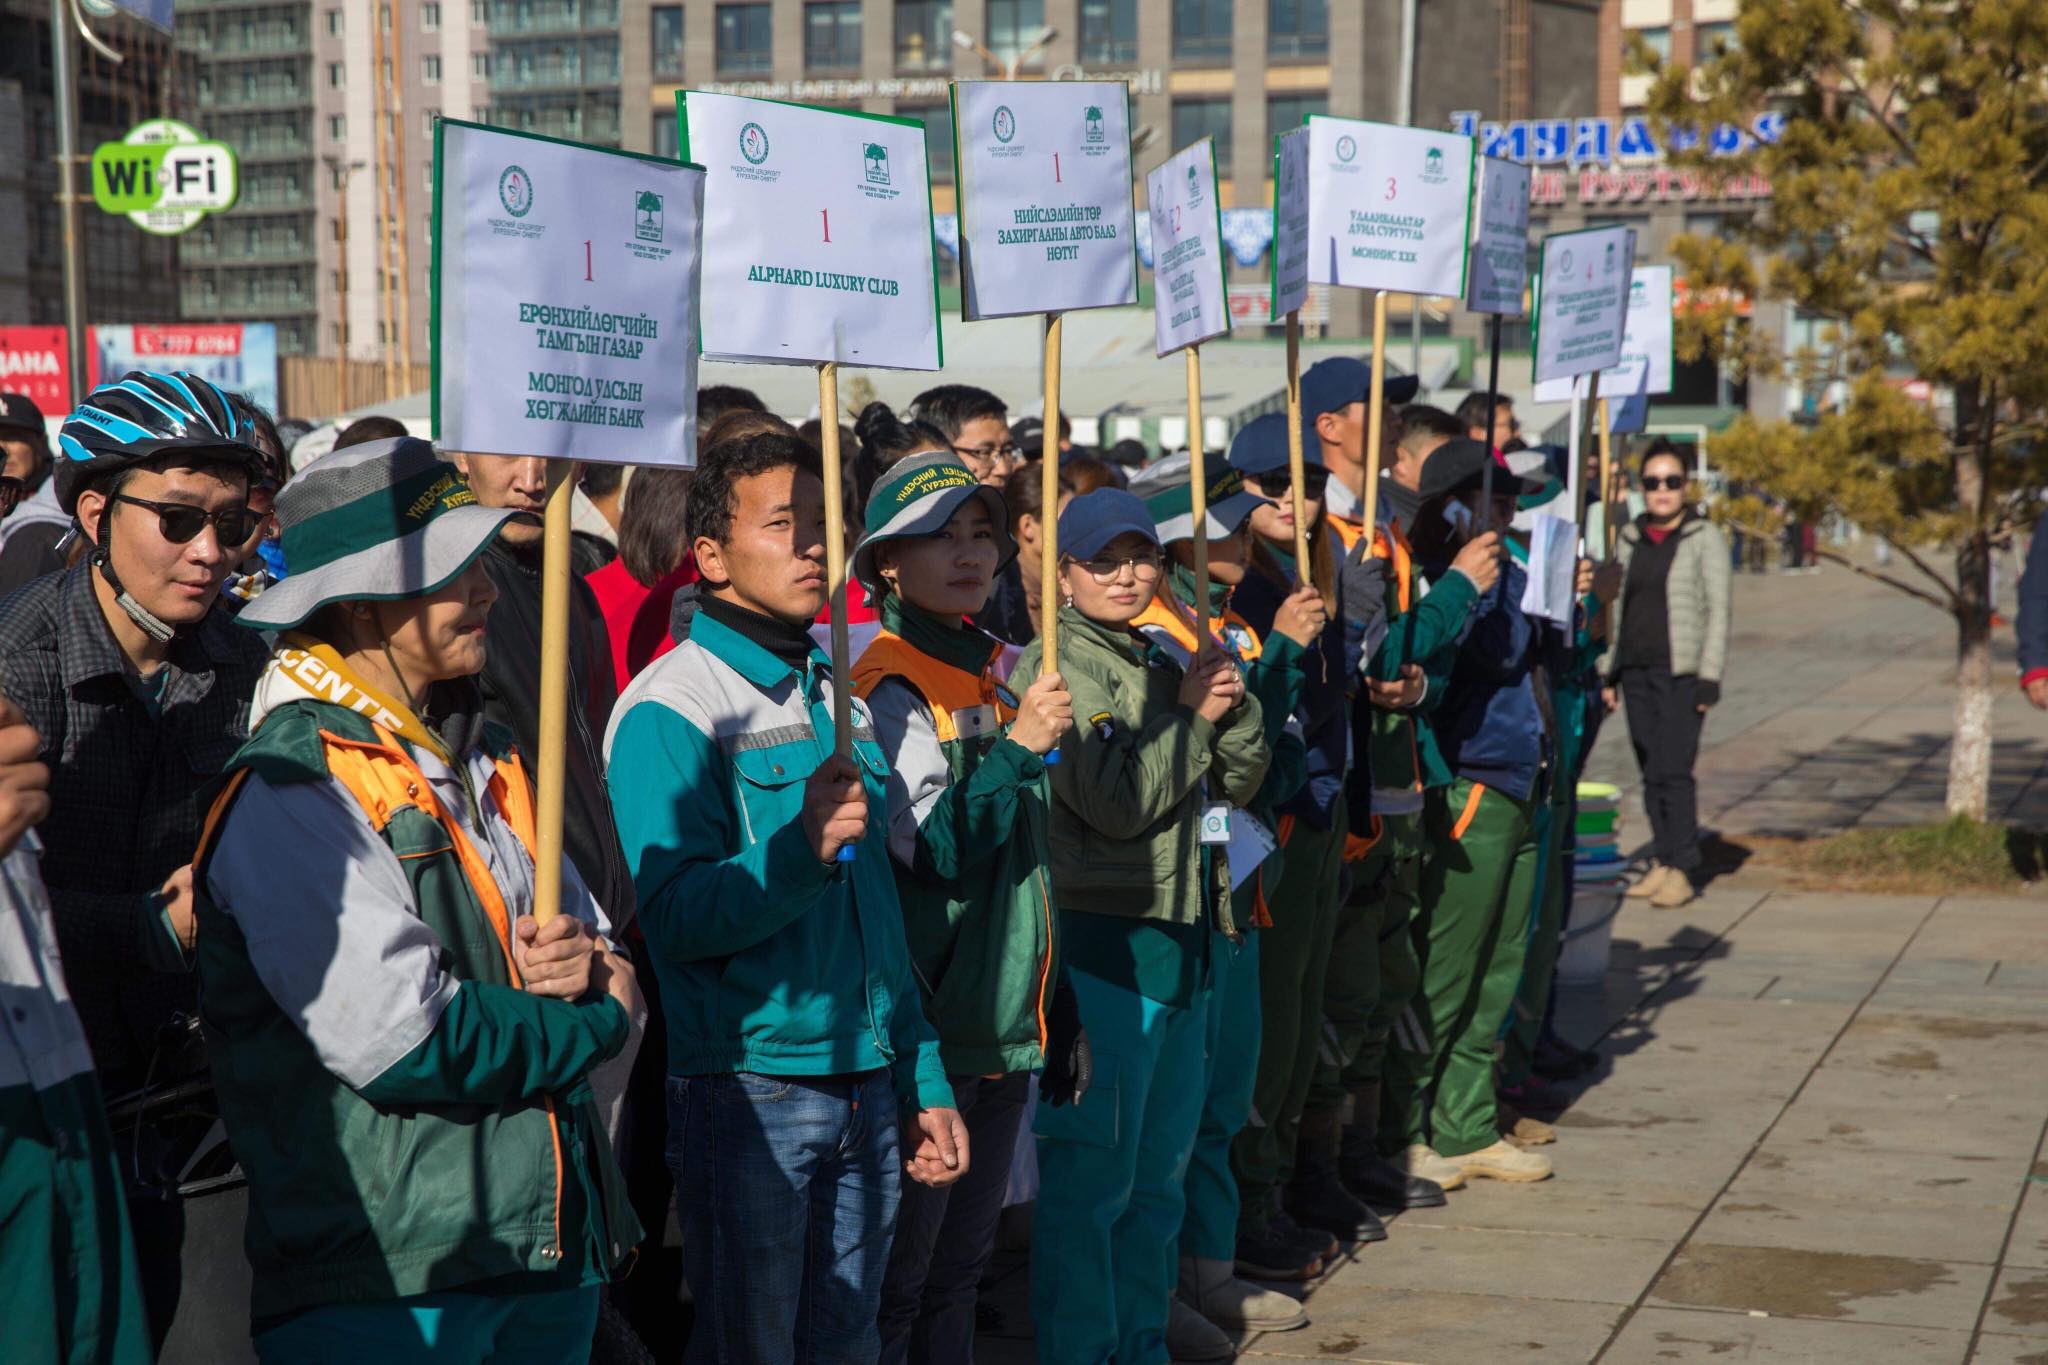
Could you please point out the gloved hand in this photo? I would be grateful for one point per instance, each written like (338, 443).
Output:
(1069, 1065)
(1362, 602)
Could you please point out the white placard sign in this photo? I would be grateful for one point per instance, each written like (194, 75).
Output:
(1190, 288)
(1290, 221)
(1582, 301)
(1046, 217)
(1500, 238)
(817, 233)
(1646, 343)
(1389, 207)
(565, 299)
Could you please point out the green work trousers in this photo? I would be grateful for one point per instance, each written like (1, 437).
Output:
(1546, 931)
(1372, 975)
(1209, 1229)
(1293, 964)
(1478, 884)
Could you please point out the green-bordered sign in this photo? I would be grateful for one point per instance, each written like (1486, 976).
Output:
(565, 298)
(1582, 302)
(817, 233)
(165, 177)
(1389, 207)
(1190, 288)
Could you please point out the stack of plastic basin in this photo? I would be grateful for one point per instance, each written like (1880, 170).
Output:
(1598, 885)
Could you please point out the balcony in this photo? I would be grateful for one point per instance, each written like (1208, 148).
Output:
(525, 18)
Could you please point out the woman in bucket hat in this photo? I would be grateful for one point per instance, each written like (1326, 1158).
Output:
(401, 1053)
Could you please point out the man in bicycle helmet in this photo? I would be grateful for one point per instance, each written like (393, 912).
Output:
(138, 682)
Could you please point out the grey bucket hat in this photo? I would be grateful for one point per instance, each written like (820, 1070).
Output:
(380, 522)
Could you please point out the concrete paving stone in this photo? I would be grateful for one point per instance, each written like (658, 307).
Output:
(1421, 1327)
(1656, 1335)
(1983, 1126)
(1529, 1265)
(1783, 1282)
(1907, 1091)
(1949, 1232)
(1568, 1205)
(1676, 1155)
(1944, 972)
(2029, 1244)
(1987, 940)
(1997, 1349)
(1920, 1178)
(2019, 1304)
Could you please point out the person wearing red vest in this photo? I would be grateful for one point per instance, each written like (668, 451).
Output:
(967, 837)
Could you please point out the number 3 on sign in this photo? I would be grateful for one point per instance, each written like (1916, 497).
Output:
(1391, 191)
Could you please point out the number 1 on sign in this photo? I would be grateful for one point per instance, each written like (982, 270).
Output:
(1055, 168)
(826, 214)
(586, 261)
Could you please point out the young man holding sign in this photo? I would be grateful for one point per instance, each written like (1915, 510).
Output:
(795, 1028)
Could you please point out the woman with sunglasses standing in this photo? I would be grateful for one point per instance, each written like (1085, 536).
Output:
(1153, 744)
(1667, 643)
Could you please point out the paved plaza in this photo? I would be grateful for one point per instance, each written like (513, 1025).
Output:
(1816, 1133)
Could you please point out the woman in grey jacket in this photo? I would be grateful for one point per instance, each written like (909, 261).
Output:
(1667, 643)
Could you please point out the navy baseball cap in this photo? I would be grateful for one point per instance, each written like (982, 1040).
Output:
(1260, 446)
(1460, 463)
(1092, 520)
(18, 412)
(1341, 380)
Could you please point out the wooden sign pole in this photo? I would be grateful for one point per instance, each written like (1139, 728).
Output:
(1049, 503)
(835, 567)
(1303, 571)
(1198, 490)
(551, 774)
(1369, 491)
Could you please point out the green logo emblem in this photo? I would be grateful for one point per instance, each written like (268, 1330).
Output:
(1433, 166)
(515, 191)
(1091, 125)
(1005, 123)
(1347, 147)
(754, 143)
(647, 216)
(875, 158)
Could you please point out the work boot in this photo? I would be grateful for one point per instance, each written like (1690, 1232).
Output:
(1276, 1252)
(1522, 1130)
(1371, 1176)
(1316, 1242)
(1557, 1060)
(1675, 890)
(1229, 1303)
(1314, 1197)
(1503, 1161)
(1190, 1336)
(1648, 884)
(1426, 1162)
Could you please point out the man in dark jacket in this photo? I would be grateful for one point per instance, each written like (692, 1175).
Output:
(31, 523)
(2032, 625)
(1479, 877)
(511, 676)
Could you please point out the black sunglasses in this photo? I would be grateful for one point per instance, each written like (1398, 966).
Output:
(1277, 484)
(1669, 482)
(181, 522)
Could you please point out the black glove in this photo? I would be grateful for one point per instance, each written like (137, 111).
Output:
(1069, 1065)
(1706, 692)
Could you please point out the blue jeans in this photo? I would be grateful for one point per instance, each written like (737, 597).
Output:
(441, 1329)
(944, 1236)
(786, 1190)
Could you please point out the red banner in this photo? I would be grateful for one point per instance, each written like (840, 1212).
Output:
(33, 361)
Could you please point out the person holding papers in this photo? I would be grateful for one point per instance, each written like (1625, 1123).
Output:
(796, 1035)
(1143, 904)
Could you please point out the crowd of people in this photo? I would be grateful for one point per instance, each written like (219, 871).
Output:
(1222, 930)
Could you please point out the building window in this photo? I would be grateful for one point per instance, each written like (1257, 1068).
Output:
(427, 117)
(668, 42)
(334, 23)
(1109, 31)
(744, 44)
(430, 71)
(476, 13)
(430, 17)
(340, 174)
(938, 138)
(1708, 39)
(1658, 39)
(666, 143)
(924, 35)
(1284, 112)
(832, 35)
(337, 126)
(1193, 119)
(480, 65)
(335, 76)
(1013, 27)
(1201, 31)
(1298, 28)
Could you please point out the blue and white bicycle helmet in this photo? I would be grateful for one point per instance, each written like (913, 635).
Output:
(143, 416)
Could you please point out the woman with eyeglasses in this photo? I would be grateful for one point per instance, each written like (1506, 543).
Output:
(1667, 644)
(1154, 746)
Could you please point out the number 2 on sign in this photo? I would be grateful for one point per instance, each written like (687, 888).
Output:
(586, 261)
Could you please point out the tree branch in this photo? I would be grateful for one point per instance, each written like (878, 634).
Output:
(1907, 588)
(1913, 558)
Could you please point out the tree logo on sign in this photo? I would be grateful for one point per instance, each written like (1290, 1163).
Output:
(1433, 167)
(1564, 263)
(876, 158)
(754, 143)
(1608, 267)
(1005, 123)
(1092, 130)
(1195, 186)
(1347, 147)
(647, 216)
(515, 191)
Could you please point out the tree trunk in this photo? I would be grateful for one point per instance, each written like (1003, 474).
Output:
(1969, 758)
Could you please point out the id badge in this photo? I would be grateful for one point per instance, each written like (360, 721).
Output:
(975, 721)
(1215, 822)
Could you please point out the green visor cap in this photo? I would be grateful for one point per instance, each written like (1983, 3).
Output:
(917, 497)
(1231, 504)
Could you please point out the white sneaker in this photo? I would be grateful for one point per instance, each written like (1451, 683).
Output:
(1190, 1336)
(1504, 1161)
(1423, 1160)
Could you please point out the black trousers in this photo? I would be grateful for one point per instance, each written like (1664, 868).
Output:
(1664, 728)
